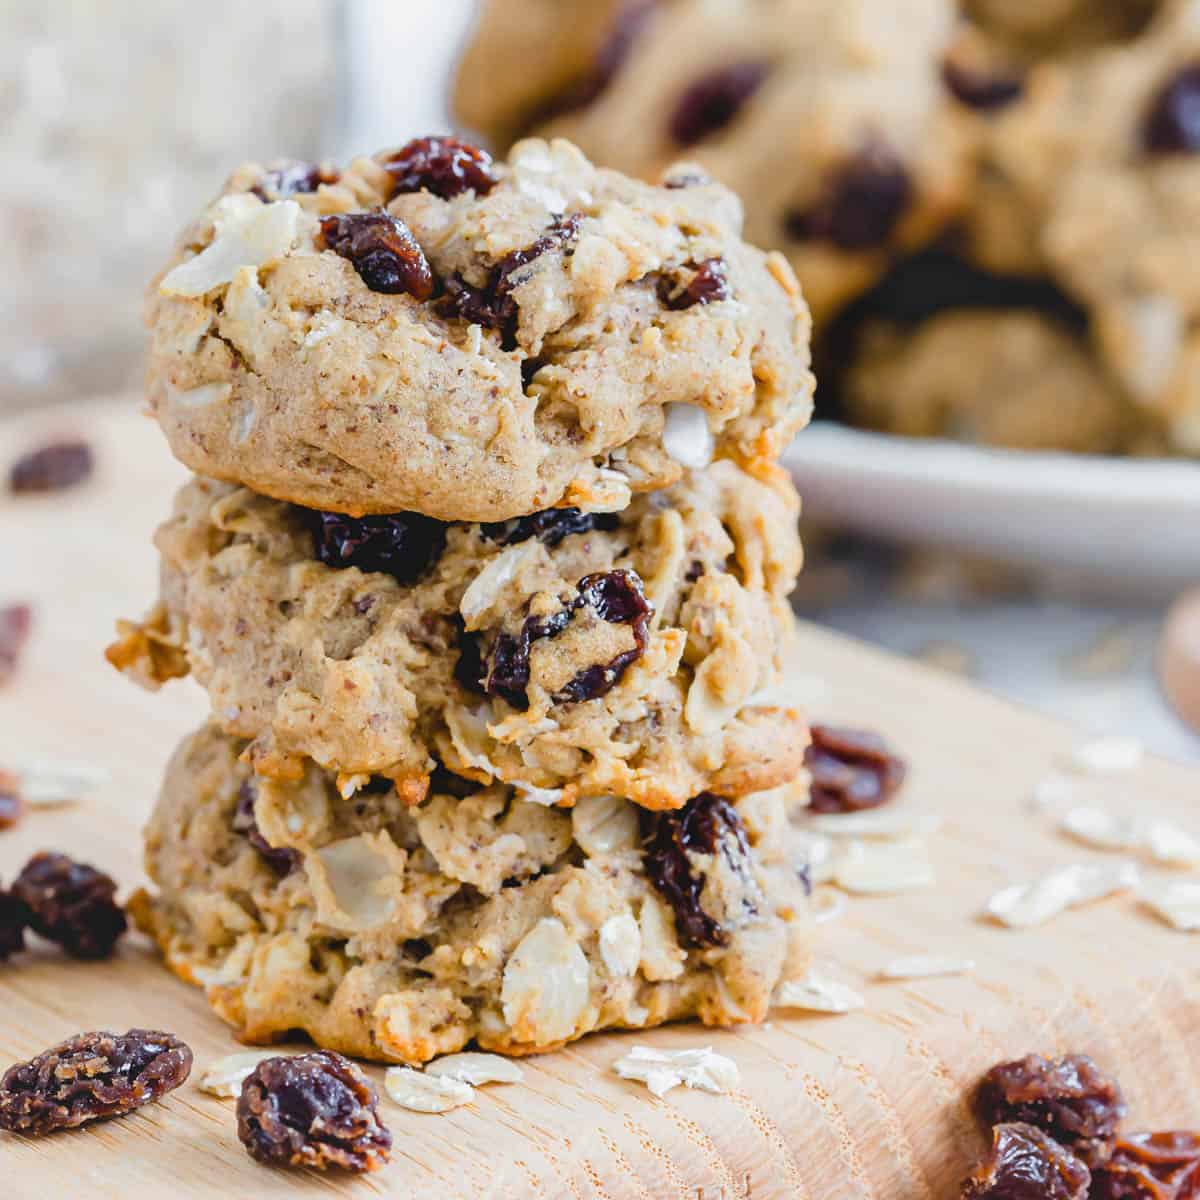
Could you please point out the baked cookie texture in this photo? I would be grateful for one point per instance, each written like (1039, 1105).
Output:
(398, 933)
(828, 117)
(567, 654)
(1017, 379)
(431, 331)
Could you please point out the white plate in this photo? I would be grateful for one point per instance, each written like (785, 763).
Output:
(1135, 516)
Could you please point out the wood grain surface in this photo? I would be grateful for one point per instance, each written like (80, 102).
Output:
(866, 1105)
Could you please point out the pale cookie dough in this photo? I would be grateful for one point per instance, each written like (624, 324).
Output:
(1014, 379)
(399, 934)
(506, 337)
(371, 673)
(828, 117)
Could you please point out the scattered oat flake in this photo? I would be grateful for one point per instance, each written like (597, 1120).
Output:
(1176, 901)
(818, 993)
(925, 966)
(426, 1093)
(1107, 754)
(1051, 790)
(15, 622)
(882, 868)
(224, 1078)
(1022, 905)
(475, 1069)
(47, 784)
(877, 823)
(828, 905)
(1162, 841)
(661, 1070)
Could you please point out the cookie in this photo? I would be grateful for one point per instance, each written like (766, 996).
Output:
(1016, 379)
(628, 654)
(829, 118)
(397, 933)
(431, 331)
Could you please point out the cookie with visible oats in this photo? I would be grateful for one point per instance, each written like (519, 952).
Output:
(399, 933)
(432, 331)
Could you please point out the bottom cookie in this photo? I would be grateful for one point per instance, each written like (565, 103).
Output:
(399, 933)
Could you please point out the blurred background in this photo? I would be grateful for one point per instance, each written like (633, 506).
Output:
(118, 121)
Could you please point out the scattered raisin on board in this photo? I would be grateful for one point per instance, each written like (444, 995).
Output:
(52, 467)
(1069, 1098)
(71, 903)
(382, 249)
(1150, 1166)
(851, 769)
(12, 803)
(14, 917)
(16, 620)
(443, 166)
(90, 1077)
(312, 1110)
(1025, 1164)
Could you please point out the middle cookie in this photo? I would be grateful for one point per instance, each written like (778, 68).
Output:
(568, 654)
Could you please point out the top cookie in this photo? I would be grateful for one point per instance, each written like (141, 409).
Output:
(829, 117)
(436, 332)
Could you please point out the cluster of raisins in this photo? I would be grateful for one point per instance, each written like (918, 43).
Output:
(403, 545)
(851, 769)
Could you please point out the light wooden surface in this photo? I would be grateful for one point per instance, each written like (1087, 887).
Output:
(866, 1105)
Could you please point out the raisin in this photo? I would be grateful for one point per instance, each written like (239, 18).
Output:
(444, 166)
(383, 251)
(52, 468)
(312, 1110)
(675, 845)
(493, 305)
(549, 526)
(402, 545)
(1172, 122)
(714, 100)
(708, 284)
(71, 904)
(1025, 1164)
(90, 1077)
(1150, 1166)
(291, 178)
(1070, 1098)
(607, 61)
(860, 205)
(851, 769)
(283, 860)
(16, 620)
(14, 917)
(982, 90)
(12, 803)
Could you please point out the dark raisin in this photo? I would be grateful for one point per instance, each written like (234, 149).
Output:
(607, 61)
(1150, 1166)
(492, 305)
(860, 205)
(417, 948)
(708, 284)
(444, 166)
(714, 100)
(682, 849)
(383, 251)
(1025, 1164)
(549, 526)
(1172, 122)
(14, 917)
(12, 803)
(90, 1077)
(443, 782)
(402, 545)
(312, 1110)
(978, 88)
(1070, 1098)
(851, 769)
(291, 178)
(16, 620)
(52, 468)
(283, 860)
(71, 904)
(471, 668)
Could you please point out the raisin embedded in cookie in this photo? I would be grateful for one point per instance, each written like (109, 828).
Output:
(404, 932)
(433, 331)
(828, 117)
(568, 652)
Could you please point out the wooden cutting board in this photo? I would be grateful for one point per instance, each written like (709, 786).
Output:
(866, 1105)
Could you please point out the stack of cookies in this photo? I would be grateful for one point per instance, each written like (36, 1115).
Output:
(484, 568)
